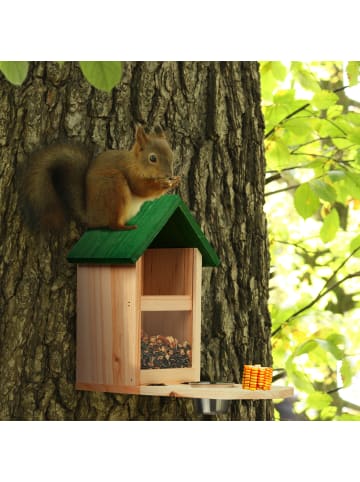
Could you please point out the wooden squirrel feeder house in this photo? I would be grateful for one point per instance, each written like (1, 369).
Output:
(139, 306)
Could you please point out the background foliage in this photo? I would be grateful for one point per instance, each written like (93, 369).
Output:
(313, 199)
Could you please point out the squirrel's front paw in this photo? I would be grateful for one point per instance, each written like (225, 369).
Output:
(169, 182)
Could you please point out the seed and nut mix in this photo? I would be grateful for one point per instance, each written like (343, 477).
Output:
(159, 351)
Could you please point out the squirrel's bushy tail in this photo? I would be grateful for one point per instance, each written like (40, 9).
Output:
(54, 186)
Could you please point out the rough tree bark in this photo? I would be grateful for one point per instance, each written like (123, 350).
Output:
(212, 114)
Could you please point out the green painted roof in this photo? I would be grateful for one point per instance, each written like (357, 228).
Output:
(163, 223)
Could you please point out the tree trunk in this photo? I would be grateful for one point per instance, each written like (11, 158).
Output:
(211, 112)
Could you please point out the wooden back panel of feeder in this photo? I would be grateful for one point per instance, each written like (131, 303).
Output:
(168, 272)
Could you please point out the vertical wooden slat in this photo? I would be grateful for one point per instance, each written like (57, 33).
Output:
(94, 325)
(196, 313)
(126, 324)
(108, 325)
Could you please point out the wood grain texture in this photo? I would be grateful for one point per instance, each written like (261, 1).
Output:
(184, 390)
(207, 391)
(108, 325)
(196, 314)
(166, 303)
(169, 376)
(175, 275)
(111, 314)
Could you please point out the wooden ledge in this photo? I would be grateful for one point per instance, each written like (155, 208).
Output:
(193, 390)
(217, 392)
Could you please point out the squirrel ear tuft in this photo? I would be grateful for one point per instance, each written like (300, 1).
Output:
(159, 132)
(140, 136)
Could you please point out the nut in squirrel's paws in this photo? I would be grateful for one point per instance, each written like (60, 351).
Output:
(170, 182)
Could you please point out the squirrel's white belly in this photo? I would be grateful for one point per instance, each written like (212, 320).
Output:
(134, 206)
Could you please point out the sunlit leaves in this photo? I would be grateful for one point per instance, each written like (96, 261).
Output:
(313, 141)
(353, 70)
(355, 246)
(318, 400)
(277, 154)
(306, 347)
(334, 111)
(324, 99)
(346, 372)
(306, 201)
(305, 77)
(323, 189)
(279, 70)
(354, 135)
(330, 226)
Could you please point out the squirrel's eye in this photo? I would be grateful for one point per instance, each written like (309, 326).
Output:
(152, 157)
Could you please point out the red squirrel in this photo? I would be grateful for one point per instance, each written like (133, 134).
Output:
(103, 193)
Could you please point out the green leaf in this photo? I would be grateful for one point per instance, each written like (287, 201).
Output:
(15, 72)
(305, 348)
(330, 226)
(352, 117)
(277, 154)
(330, 129)
(268, 81)
(354, 135)
(346, 373)
(332, 348)
(323, 190)
(279, 70)
(299, 126)
(285, 96)
(102, 75)
(324, 99)
(355, 244)
(352, 183)
(302, 382)
(318, 400)
(328, 412)
(336, 175)
(306, 201)
(352, 70)
(334, 111)
(348, 417)
(306, 78)
(337, 338)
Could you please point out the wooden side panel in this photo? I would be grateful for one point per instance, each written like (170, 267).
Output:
(94, 325)
(108, 325)
(196, 314)
(126, 312)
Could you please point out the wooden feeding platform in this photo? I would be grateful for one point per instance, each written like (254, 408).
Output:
(217, 392)
(139, 307)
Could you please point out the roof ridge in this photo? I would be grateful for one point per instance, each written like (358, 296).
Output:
(172, 225)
